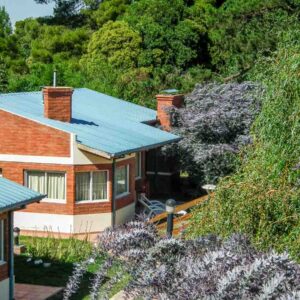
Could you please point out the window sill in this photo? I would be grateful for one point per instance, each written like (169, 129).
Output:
(54, 201)
(122, 195)
(91, 201)
(2, 263)
(138, 178)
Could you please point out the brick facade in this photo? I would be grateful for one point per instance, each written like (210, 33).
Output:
(20, 136)
(4, 268)
(16, 172)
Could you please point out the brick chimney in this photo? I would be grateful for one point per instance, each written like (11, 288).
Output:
(164, 101)
(58, 103)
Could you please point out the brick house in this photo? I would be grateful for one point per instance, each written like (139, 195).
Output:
(84, 149)
(12, 197)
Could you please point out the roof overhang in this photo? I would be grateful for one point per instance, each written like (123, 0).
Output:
(129, 151)
(21, 204)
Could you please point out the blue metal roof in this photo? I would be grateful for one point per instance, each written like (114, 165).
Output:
(13, 195)
(101, 122)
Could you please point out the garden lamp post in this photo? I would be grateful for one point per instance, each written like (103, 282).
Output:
(170, 209)
(16, 235)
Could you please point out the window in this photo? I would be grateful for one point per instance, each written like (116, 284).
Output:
(2, 240)
(122, 180)
(138, 165)
(91, 186)
(51, 183)
(1, 173)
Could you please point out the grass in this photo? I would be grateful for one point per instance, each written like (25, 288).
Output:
(61, 266)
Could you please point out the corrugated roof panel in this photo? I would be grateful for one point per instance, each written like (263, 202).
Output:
(13, 195)
(99, 121)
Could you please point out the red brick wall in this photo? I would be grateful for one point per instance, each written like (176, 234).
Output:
(16, 172)
(25, 137)
(4, 269)
(141, 184)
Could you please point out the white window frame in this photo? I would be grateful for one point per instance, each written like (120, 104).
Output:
(49, 200)
(2, 242)
(138, 158)
(91, 187)
(127, 185)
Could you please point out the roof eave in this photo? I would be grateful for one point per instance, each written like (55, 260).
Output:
(18, 205)
(145, 148)
(122, 153)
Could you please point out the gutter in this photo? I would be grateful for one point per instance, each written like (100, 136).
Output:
(11, 255)
(113, 221)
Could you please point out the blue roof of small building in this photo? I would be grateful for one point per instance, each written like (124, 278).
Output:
(101, 122)
(13, 195)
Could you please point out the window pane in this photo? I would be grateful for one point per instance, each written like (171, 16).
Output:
(2, 240)
(121, 180)
(82, 186)
(0, 172)
(100, 185)
(37, 181)
(138, 164)
(56, 187)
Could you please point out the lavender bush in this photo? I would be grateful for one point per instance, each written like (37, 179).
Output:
(203, 268)
(214, 125)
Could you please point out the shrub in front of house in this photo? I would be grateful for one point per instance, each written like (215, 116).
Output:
(203, 268)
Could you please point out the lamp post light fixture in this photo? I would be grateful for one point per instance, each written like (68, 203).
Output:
(209, 188)
(170, 209)
(16, 235)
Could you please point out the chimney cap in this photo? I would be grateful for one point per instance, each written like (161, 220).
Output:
(170, 92)
(60, 89)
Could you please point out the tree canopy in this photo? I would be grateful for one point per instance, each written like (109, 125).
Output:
(168, 44)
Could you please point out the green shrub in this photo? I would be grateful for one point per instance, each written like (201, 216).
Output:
(263, 198)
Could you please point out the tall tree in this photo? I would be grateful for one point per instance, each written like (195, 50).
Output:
(5, 25)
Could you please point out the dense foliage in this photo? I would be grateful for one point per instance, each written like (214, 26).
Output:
(204, 268)
(214, 124)
(134, 49)
(262, 198)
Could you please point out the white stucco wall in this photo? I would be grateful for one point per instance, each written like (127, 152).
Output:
(125, 214)
(4, 289)
(71, 223)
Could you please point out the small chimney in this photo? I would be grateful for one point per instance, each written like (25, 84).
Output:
(165, 101)
(58, 103)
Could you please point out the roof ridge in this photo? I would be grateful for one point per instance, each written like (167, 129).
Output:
(19, 93)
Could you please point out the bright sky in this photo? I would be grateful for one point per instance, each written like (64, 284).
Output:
(22, 9)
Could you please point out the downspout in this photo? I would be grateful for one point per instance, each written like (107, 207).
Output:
(11, 255)
(113, 193)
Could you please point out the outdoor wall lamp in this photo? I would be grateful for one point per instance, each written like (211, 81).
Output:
(170, 209)
(16, 235)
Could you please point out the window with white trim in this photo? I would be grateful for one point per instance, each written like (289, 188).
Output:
(2, 241)
(51, 183)
(122, 180)
(91, 186)
(138, 165)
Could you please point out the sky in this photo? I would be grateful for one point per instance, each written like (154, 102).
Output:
(22, 9)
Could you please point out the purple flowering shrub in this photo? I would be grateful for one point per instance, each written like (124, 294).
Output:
(214, 125)
(204, 268)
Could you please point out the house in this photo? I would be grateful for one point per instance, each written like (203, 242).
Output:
(12, 197)
(85, 150)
